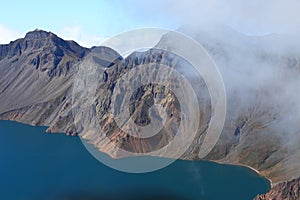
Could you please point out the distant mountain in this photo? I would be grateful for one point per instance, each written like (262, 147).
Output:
(39, 73)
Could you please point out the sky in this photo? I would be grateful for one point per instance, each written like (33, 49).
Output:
(90, 22)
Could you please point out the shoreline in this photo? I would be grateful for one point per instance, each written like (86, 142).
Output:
(247, 166)
(215, 161)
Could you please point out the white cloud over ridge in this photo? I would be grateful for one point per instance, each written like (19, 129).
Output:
(7, 35)
(256, 16)
(81, 37)
(251, 17)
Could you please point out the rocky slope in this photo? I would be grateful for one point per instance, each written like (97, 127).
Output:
(109, 95)
(261, 128)
(36, 78)
(39, 86)
(289, 190)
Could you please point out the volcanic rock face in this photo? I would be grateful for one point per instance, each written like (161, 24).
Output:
(110, 92)
(36, 77)
(38, 86)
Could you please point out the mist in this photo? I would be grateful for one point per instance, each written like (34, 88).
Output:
(256, 48)
(261, 78)
(251, 17)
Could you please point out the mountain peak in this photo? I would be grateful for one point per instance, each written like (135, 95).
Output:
(39, 34)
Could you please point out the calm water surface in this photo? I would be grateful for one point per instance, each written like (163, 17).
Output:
(36, 165)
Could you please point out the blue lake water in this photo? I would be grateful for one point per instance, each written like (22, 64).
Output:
(36, 165)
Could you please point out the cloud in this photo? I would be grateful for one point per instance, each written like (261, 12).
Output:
(7, 34)
(256, 16)
(83, 38)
